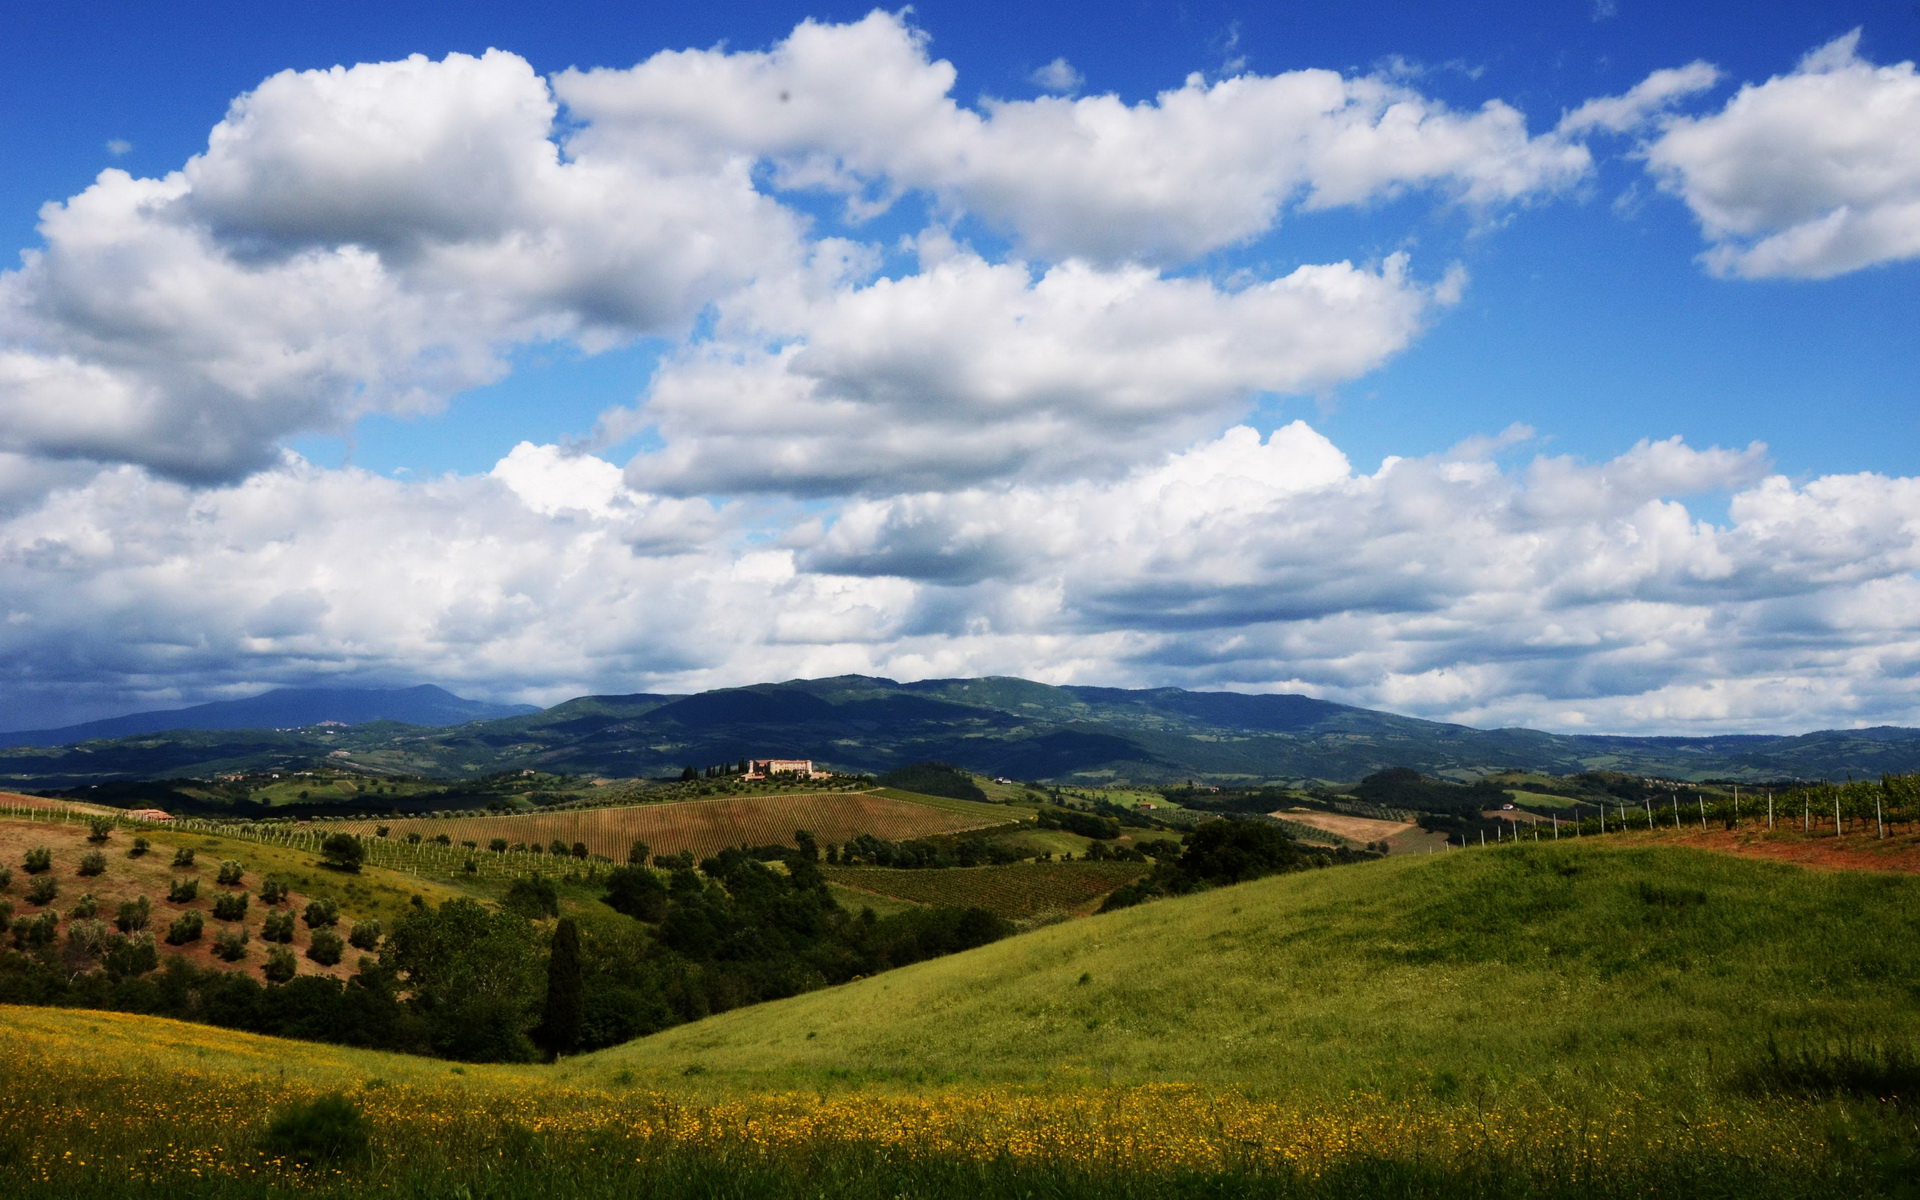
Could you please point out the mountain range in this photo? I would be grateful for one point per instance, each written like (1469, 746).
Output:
(996, 726)
(284, 708)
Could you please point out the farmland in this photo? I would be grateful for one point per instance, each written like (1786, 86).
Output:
(705, 827)
(1023, 891)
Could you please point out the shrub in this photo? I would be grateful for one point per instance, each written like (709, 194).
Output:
(133, 914)
(637, 854)
(280, 965)
(185, 928)
(93, 863)
(380, 831)
(38, 859)
(534, 898)
(6, 878)
(30, 933)
(272, 891)
(99, 829)
(441, 839)
(325, 947)
(230, 907)
(230, 874)
(85, 908)
(329, 1131)
(139, 848)
(230, 944)
(89, 937)
(278, 927)
(183, 857)
(365, 935)
(322, 913)
(6, 913)
(342, 852)
(126, 957)
(413, 839)
(183, 891)
(498, 845)
(42, 890)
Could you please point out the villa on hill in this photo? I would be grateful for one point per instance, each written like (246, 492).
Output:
(767, 768)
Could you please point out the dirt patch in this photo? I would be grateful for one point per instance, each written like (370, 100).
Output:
(1359, 829)
(1856, 850)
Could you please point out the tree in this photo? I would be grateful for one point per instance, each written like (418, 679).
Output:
(638, 853)
(636, 892)
(566, 991)
(688, 774)
(580, 850)
(474, 976)
(342, 852)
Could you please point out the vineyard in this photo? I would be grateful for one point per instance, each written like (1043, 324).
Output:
(702, 827)
(1023, 891)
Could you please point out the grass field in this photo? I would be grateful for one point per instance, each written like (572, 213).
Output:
(1024, 891)
(1572, 1019)
(709, 826)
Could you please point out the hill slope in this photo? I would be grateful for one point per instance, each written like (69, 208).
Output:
(995, 726)
(284, 708)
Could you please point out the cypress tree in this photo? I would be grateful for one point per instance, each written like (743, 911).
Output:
(566, 991)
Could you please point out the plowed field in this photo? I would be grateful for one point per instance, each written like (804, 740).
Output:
(708, 826)
(1022, 891)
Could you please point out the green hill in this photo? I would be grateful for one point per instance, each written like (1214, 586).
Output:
(1531, 1020)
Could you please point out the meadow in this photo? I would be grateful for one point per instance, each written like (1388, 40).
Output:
(1022, 892)
(1527, 1020)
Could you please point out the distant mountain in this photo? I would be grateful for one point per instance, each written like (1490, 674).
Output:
(997, 726)
(284, 708)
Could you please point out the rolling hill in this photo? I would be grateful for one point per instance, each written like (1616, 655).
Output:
(283, 708)
(995, 726)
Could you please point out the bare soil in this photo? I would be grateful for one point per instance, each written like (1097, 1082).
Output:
(1858, 849)
(1360, 829)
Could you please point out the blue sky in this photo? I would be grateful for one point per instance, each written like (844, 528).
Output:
(1608, 287)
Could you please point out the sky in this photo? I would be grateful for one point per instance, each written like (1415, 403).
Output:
(1510, 364)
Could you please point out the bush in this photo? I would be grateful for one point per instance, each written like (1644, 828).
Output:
(6, 913)
(42, 890)
(278, 927)
(183, 891)
(328, 1131)
(380, 831)
(342, 852)
(187, 927)
(637, 854)
(272, 891)
(38, 859)
(139, 848)
(85, 908)
(325, 947)
(498, 845)
(99, 829)
(183, 857)
(441, 839)
(533, 898)
(365, 935)
(6, 878)
(230, 874)
(133, 914)
(89, 937)
(280, 965)
(30, 933)
(230, 907)
(322, 913)
(413, 839)
(230, 944)
(127, 957)
(93, 863)
(637, 892)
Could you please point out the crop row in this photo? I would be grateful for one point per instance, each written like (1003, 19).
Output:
(1017, 891)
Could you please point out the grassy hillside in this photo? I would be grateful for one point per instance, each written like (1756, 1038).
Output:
(1580, 1019)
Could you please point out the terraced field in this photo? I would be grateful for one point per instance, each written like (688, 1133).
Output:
(709, 826)
(1023, 891)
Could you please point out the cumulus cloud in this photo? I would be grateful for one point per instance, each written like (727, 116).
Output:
(365, 239)
(863, 107)
(1809, 175)
(1557, 593)
(1058, 76)
(970, 370)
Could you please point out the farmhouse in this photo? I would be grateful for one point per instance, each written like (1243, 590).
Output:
(766, 768)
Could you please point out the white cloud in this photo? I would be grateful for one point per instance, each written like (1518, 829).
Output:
(119, 146)
(1809, 175)
(863, 108)
(366, 239)
(1057, 76)
(971, 371)
(1643, 102)
(1560, 594)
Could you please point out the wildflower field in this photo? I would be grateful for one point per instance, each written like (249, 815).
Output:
(1602, 1018)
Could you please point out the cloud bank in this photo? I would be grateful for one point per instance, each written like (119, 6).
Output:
(1014, 440)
